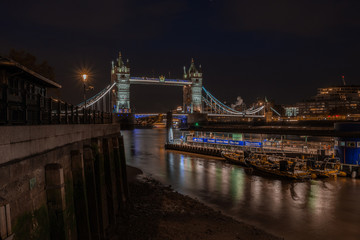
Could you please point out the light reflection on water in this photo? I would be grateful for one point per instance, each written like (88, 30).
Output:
(316, 209)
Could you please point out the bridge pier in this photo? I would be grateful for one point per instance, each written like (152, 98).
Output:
(126, 120)
(197, 119)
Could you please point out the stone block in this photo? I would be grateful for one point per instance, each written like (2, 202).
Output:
(4, 153)
(19, 134)
(38, 132)
(5, 176)
(5, 135)
(3, 227)
(19, 169)
(20, 150)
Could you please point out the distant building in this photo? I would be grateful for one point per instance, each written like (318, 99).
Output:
(291, 111)
(22, 92)
(337, 100)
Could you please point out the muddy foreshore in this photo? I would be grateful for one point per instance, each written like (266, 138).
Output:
(158, 212)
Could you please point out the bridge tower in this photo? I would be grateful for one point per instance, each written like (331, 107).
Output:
(120, 73)
(196, 88)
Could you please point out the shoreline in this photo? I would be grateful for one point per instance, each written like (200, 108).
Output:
(159, 212)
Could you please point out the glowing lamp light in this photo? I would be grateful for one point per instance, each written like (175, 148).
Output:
(84, 76)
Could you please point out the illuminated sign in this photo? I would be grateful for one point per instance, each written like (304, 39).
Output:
(225, 141)
(252, 144)
(198, 139)
(237, 143)
(221, 141)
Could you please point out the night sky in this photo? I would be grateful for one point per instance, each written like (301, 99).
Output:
(282, 49)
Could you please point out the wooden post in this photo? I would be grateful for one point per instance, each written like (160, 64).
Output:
(77, 115)
(84, 114)
(91, 193)
(96, 145)
(110, 180)
(94, 116)
(118, 174)
(38, 109)
(55, 193)
(66, 114)
(25, 119)
(59, 112)
(72, 114)
(49, 106)
(6, 104)
(80, 200)
(123, 167)
(5, 220)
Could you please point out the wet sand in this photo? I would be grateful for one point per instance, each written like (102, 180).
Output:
(158, 212)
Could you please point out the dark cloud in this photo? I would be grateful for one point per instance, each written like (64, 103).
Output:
(303, 18)
(95, 17)
(281, 49)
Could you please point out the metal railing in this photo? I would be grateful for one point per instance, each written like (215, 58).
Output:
(33, 109)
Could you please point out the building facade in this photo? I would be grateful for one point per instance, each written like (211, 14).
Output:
(22, 93)
(336, 100)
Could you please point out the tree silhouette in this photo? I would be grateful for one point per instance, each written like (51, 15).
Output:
(28, 60)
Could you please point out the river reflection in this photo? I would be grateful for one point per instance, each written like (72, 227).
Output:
(316, 209)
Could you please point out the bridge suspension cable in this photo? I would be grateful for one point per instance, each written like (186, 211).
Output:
(275, 111)
(97, 97)
(219, 107)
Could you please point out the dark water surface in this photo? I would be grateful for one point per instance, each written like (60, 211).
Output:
(317, 209)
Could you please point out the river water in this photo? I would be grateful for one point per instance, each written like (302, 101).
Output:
(316, 209)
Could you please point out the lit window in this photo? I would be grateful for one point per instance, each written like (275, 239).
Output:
(342, 144)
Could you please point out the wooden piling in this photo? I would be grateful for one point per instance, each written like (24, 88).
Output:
(96, 145)
(123, 168)
(110, 180)
(80, 200)
(55, 193)
(91, 193)
(5, 220)
(117, 164)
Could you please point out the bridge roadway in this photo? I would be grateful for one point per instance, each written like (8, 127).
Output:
(142, 115)
(158, 81)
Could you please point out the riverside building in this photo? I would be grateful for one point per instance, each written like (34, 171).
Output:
(330, 101)
(23, 93)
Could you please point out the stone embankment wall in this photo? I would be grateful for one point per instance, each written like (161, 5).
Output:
(61, 181)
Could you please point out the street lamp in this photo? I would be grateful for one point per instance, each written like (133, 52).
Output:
(84, 77)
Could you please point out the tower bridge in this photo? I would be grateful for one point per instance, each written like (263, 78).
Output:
(115, 97)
